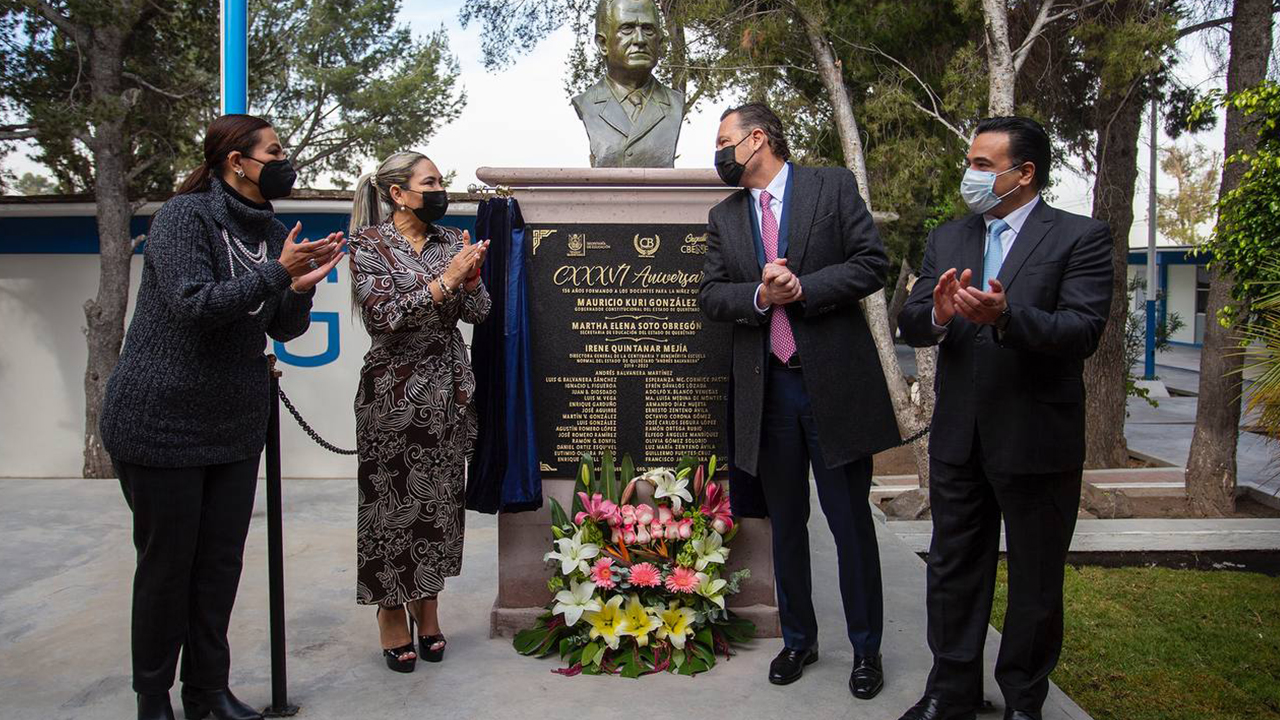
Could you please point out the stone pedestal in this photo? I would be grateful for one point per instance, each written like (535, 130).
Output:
(613, 196)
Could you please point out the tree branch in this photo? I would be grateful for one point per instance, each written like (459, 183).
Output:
(327, 153)
(935, 113)
(141, 168)
(17, 132)
(60, 21)
(1207, 24)
(172, 96)
(1037, 27)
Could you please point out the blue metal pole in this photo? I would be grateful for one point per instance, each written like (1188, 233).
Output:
(1149, 366)
(235, 56)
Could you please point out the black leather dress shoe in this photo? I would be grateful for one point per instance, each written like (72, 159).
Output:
(154, 707)
(789, 665)
(198, 704)
(934, 709)
(867, 678)
(1021, 715)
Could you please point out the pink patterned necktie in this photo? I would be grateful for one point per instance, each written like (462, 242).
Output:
(781, 341)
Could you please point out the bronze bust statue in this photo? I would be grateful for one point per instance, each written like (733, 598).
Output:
(632, 120)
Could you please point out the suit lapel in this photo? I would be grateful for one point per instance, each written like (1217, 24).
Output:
(750, 245)
(798, 207)
(613, 114)
(651, 114)
(1033, 231)
(975, 236)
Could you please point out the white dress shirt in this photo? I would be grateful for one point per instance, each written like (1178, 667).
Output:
(777, 189)
(1015, 220)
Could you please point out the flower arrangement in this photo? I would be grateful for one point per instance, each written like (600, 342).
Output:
(640, 588)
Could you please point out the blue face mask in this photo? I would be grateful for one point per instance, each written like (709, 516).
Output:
(978, 188)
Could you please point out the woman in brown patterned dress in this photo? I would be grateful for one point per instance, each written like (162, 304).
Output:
(413, 281)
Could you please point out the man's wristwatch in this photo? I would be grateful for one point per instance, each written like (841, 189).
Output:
(1002, 321)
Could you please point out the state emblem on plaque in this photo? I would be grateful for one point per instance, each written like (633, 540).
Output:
(578, 245)
(647, 246)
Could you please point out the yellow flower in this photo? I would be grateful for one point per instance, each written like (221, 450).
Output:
(677, 624)
(638, 622)
(606, 622)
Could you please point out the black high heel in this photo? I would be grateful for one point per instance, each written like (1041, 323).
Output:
(154, 707)
(393, 655)
(427, 652)
(197, 704)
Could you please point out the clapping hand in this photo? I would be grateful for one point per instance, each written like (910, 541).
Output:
(309, 262)
(779, 286)
(980, 307)
(464, 268)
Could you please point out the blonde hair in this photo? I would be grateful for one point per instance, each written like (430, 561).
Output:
(372, 203)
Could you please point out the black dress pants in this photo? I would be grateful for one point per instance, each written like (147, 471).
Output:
(189, 528)
(1039, 513)
(788, 448)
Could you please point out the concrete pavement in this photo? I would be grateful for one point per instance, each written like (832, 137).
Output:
(64, 598)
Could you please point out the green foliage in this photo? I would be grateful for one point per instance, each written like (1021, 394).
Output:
(342, 81)
(1262, 358)
(1246, 240)
(1156, 644)
(32, 184)
(170, 83)
(1189, 206)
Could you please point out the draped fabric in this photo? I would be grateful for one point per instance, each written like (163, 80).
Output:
(504, 475)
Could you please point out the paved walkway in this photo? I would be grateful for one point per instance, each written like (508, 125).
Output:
(1164, 432)
(64, 598)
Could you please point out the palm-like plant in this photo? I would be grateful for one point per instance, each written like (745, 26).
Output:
(1262, 356)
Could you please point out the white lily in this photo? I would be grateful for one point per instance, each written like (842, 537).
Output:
(712, 590)
(709, 549)
(578, 599)
(573, 554)
(667, 485)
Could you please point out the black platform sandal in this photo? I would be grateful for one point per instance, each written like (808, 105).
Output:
(395, 657)
(427, 649)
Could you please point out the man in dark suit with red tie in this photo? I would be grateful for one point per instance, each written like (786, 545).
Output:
(1016, 296)
(789, 257)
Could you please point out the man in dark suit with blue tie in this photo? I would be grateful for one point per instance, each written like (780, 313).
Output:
(789, 257)
(1016, 296)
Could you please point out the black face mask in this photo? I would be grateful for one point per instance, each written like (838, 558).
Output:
(435, 203)
(727, 165)
(276, 179)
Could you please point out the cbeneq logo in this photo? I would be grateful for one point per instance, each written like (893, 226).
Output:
(694, 244)
(647, 246)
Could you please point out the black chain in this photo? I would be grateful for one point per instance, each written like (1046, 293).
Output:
(923, 431)
(310, 430)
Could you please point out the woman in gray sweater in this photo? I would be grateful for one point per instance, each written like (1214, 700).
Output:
(185, 413)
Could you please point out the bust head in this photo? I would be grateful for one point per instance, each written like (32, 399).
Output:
(629, 35)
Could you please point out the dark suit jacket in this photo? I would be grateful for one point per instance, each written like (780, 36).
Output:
(618, 142)
(1023, 392)
(831, 243)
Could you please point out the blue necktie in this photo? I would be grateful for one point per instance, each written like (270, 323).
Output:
(995, 253)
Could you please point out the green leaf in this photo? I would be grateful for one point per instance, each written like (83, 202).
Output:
(628, 474)
(609, 478)
(528, 641)
(591, 654)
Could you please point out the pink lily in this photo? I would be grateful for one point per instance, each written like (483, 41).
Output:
(716, 508)
(596, 508)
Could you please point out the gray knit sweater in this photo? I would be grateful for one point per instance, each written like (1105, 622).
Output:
(191, 387)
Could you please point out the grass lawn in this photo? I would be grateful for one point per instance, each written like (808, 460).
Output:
(1156, 644)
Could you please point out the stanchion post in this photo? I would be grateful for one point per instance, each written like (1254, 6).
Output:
(280, 706)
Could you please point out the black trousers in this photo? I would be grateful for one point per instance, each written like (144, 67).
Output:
(189, 528)
(788, 447)
(1039, 513)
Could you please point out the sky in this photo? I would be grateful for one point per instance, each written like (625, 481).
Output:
(520, 117)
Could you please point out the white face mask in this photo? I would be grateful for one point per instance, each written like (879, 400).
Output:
(978, 188)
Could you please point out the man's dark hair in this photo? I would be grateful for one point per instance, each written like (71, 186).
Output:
(1028, 142)
(758, 115)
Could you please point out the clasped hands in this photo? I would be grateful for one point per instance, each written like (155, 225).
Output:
(954, 296)
(464, 268)
(778, 285)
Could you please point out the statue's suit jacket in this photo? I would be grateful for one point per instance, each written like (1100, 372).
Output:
(618, 142)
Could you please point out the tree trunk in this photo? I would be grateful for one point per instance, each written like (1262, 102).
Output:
(1002, 78)
(1211, 466)
(104, 314)
(873, 307)
(899, 298)
(1119, 123)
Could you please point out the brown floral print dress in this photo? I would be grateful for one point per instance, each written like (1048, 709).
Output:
(415, 421)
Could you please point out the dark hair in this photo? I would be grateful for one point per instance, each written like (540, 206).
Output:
(1028, 143)
(758, 115)
(227, 134)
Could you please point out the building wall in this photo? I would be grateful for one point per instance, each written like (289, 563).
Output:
(1181, 298)
(48, 270)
